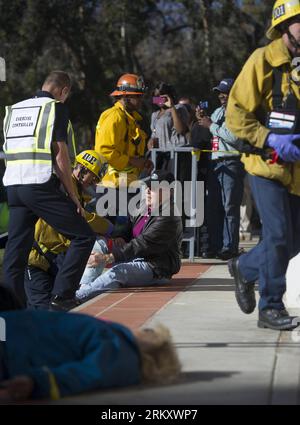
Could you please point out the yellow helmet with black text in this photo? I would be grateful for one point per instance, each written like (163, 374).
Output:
(282, 11)
(92, 161)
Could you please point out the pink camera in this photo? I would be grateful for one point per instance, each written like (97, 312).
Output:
(159, 100)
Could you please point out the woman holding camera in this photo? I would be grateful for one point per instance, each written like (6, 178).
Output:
(169, 123)
(169, 126)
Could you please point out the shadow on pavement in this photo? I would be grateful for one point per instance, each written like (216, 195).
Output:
(239, 344)
(184, 284)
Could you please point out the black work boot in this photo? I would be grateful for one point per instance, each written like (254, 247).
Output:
(279, 320)
(244, 291)
(63, 304)
(226, 255)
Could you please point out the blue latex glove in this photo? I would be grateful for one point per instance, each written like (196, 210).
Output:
(284, 145)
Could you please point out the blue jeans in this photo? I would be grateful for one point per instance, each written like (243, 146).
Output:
(225, 194)
(134, 273)
(91, 273)
(267, 262)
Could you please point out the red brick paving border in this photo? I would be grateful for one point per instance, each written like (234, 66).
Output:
(134, 306)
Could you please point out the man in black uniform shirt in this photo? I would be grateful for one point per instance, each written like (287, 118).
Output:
(36, 136)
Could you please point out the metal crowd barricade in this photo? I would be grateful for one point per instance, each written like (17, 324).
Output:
(190, 238)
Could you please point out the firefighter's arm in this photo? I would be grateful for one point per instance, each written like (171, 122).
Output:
(99, 225)
(246, 97)
(63, 170)
(110, 139)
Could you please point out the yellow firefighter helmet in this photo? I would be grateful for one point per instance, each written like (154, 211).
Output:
(282, 11)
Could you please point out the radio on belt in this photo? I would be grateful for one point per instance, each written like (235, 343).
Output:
(284, 122)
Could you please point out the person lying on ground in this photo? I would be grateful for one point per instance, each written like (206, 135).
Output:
(65, 354)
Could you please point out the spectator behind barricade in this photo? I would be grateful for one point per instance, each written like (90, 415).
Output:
(225, 181)
(152, 257)
(191, 108)
(200, 135)
(200, 138)
(169, 124)
(67, 354)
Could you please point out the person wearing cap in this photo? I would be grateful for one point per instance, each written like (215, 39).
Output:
(225, 180)
(268, 81)
(119, 136)
(153, 254)
(47, 254)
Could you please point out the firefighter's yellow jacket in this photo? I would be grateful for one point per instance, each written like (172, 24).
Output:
(118, 138)
(249, 101)
(51, 241)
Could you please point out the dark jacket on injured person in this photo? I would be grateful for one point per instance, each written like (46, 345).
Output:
(159, 244)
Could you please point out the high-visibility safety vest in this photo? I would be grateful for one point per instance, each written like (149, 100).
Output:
(28, 128)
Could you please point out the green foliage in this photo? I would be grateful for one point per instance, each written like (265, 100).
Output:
(189, 43)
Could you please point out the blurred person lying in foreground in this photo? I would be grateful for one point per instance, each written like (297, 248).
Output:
(63, 354)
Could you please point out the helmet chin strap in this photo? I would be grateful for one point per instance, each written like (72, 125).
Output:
(293, 41)
(126, 102)
(82, 173)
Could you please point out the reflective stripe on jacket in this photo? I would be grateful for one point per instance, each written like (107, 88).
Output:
(28, 128)
(249, 101)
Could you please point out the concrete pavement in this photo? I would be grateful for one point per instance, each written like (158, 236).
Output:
(225, 358)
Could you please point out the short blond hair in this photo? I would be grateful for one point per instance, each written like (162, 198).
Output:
(160, 362)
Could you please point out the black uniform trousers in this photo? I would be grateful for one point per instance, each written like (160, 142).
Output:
(26, 204)
(39, 284)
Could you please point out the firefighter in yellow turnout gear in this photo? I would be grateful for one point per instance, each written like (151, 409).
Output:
(45, 259)
(119, 137)
(263, 109)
